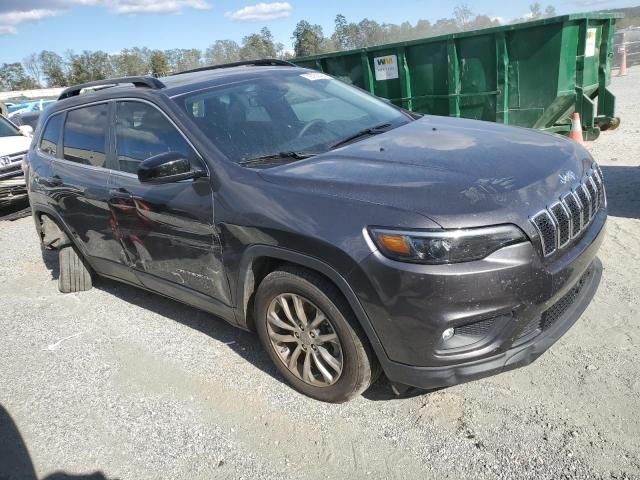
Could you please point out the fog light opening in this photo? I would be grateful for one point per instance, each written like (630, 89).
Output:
(448, 333)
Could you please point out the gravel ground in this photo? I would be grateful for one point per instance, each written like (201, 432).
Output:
(119, 381)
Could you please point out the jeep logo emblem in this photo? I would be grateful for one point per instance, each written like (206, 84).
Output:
(567, 177)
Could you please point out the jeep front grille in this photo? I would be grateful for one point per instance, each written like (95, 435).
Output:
(547, 230)
(565, 219)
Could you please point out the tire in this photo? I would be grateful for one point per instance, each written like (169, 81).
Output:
(351, 349)
(75, 274)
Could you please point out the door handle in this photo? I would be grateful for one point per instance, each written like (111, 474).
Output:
(120, 193)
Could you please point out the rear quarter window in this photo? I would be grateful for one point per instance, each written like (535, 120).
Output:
(51, 135)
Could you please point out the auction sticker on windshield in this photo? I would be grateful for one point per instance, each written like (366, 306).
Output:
(316, 76)
(386, 68)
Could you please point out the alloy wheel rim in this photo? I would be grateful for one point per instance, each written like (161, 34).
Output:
(305, 340)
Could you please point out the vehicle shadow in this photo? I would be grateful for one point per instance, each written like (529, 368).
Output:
(623, 190)
(382, 390)
(245, 344)
(17, 210)
(15, 460)
(50, 259)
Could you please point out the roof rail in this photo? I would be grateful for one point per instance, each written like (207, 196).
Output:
(264, 62)
(148, 82)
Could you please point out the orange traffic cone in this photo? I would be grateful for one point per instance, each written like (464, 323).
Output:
(622, 50)
(576, 129)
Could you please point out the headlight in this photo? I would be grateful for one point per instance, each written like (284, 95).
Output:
(444, 246)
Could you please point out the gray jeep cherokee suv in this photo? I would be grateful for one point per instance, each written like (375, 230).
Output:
(354, 237)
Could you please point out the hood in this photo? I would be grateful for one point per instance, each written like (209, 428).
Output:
(459, 173)
(14, 144)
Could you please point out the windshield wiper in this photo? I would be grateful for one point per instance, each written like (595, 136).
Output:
(276, 156)
(363, 133)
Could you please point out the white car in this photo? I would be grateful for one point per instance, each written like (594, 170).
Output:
(14, 143)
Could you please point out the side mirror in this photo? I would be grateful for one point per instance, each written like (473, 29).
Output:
(26, 130)
(167, 168)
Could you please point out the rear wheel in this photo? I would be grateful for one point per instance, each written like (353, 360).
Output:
(312, 336)
(75, 274)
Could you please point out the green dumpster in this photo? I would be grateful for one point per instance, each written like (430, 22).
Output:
(533, 74)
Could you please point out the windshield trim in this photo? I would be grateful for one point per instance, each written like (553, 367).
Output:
(11, 126)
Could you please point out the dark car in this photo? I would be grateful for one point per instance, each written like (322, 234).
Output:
(352, 236)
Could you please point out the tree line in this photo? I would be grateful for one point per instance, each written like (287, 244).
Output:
(50, 69)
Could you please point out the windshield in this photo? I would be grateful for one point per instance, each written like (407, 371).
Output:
(303, 112)
(7, 129)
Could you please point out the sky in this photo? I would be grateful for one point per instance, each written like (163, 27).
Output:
(28, 26)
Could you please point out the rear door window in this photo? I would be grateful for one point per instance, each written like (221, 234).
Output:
(85, 135)
(142, 131)
(51, 135)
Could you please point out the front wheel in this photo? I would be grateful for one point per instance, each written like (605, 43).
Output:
(312, 336)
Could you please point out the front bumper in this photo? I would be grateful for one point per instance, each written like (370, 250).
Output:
(518, 356)
(514, 290)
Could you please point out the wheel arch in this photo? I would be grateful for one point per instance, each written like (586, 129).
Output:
(64, 235)
(259, 260)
